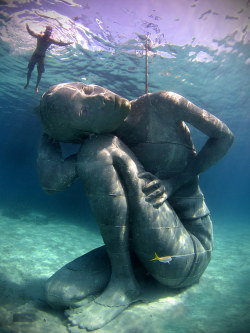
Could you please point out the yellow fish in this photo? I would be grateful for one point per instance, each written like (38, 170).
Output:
(165, 260)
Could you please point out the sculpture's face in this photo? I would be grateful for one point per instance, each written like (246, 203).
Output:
(70, 111)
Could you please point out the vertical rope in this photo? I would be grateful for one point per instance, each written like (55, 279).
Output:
(146, 65)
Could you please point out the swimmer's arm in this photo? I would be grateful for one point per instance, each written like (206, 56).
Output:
(32, 33)
(55, 173)
(59, 43)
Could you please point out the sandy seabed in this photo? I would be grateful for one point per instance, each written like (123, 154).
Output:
(33, 247)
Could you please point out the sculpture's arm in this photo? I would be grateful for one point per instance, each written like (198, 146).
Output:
(55, 173)
(219, 141)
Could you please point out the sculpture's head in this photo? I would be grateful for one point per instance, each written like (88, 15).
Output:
(71, 111)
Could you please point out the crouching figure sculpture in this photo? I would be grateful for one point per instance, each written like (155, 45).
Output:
(139, 169)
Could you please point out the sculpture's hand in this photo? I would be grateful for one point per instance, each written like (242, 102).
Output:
(153, 189)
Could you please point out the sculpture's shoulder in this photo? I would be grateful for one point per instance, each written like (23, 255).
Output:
(165, 103)
(165, 95)
(162, 95)
(153, 115)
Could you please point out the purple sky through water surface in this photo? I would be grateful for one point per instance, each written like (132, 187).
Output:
(99, 24)
(198, 47)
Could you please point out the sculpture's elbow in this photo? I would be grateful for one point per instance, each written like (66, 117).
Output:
(54, 181)
(49, 180)
(48, 185)
(229, 139)
(225, 139)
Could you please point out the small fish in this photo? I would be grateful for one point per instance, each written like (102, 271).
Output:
(165, 260)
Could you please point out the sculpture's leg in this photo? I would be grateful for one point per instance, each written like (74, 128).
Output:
(109, 172)
(159, 231)
(106, 195)
(79, 279)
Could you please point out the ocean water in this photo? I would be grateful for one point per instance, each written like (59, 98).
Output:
(199, 49)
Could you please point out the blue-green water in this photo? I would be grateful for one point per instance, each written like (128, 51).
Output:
(199, 49)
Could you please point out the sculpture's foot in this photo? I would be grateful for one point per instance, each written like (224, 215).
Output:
(103, 309)
(94, 316)
(26, 85)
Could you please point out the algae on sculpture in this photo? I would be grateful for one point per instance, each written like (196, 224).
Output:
(139, 169)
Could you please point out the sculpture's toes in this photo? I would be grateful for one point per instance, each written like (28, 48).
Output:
(93, 316)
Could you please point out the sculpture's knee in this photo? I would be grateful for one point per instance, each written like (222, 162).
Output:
(96, 169)
(84, 276)
(56, 293)
(67, 287)
(94, 152)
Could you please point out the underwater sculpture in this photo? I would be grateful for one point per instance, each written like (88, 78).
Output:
(139, 169)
